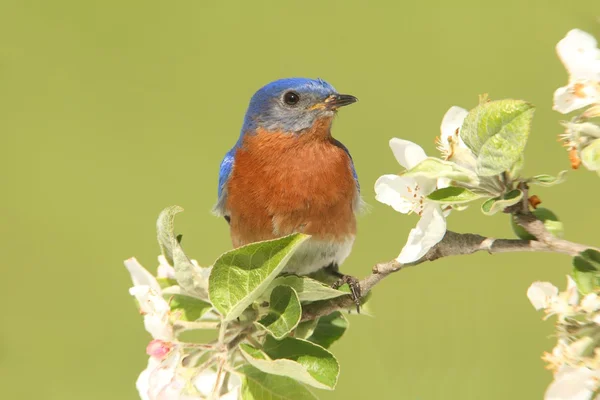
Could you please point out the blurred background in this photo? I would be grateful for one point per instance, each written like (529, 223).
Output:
(112, 110)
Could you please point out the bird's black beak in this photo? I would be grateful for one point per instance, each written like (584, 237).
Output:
(336, 101)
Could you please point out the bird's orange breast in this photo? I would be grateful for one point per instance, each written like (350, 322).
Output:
(283, 183)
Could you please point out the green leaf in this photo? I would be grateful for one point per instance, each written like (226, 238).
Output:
(548, 180)
(550, 220)
(435, 168)
(517, 167)
(284, 312)
(453, 195)
(497, 133)
(164, 230)
(188, 308)
(590, 156)
(298, 359)
(329, 329)
(258, 385)
(586, 267)
(308, 289)
(493, 205)
(240, 276)
(186, 273)
(305, 329)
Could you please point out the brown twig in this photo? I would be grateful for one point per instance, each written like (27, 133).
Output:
(454, 244)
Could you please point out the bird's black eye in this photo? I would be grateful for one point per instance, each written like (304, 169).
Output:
(291, 98)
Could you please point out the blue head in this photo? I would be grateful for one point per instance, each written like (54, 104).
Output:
(293, 105)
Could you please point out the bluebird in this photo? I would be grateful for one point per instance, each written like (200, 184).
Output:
(287, 174)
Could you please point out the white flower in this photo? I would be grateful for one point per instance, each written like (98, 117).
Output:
(590, 303)
(571, 295)
(409, 194)
(156, 312)
(140, 276)
(450, 144)
(542, 294)
(165, 270)
(573, 383)
(153, 306)
(205, 382)
(557, 358)
(160, 378)
(579, 53)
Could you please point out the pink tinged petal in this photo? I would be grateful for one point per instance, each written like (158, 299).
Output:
(580, 55)
(159, 349)
(140, 276)
(572, 383)
(163, 375)
(174, 390)
(428, 232)
(408, 154)
(540, 294)
(395, 191)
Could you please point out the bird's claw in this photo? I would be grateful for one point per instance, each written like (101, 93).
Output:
(354, 286)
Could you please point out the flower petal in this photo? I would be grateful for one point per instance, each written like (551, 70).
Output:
(579, 53)
(205, 382)
(541, 294)
(407, 153)
(163, 379)
(156, 312)
(575, 96)
(572, 292)
(428, 232)
(393, 190)
(158, 376)
(143, 382)
(140, 276)
(590, 303)
(165, 270)
(572, 383)
(452, 121)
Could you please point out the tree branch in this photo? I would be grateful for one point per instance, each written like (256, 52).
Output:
(454, 244)
(535, 227)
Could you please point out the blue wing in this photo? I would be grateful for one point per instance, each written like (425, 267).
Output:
(354, 174)
(224, 173)
(359, 205)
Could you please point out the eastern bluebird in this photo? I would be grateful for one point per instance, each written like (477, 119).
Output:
(287, 174)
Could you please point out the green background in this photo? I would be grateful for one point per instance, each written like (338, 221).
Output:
(112, 110)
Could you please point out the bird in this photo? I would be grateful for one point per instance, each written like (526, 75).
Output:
(287, 174)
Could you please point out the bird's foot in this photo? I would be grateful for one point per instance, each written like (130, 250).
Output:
(351, 281)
